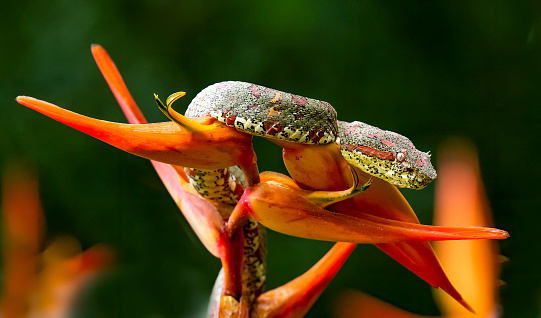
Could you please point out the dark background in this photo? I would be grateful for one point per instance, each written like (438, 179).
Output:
(426, 70)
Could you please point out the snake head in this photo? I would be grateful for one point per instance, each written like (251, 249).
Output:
(385, 154)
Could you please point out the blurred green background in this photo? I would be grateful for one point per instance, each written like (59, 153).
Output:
(426, 70)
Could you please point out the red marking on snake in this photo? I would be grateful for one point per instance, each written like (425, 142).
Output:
(230, 120)
(418, 162)
(383, 155)
(388, 143)
(268, 125)
(329, 107)
(316, 135)
(424, 161)
(191, 173)
(255, 90)
(274, 129)
(299, 101)
(350, 130)
(222, 85)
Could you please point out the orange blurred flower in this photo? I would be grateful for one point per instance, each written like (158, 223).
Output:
(39, 284)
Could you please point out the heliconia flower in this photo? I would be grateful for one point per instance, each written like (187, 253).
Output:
(472, 265)
(279, 203)
(39, 284)
(303, 206)
(317, 164)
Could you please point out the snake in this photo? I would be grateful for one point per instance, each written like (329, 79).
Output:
(273, 114)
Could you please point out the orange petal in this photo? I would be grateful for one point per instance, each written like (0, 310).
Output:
(460, 199)
(202, 215)
(219, 147)
(284, 209)
(117, 85)
(295, 298)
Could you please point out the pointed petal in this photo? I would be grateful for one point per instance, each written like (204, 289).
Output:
(284, 209)
(295, 298)
(420, 258)
(473, 265)
(164, 142)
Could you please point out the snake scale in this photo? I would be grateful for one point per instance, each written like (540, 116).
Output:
(273, 114)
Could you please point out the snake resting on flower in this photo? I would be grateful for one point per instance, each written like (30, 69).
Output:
(273, 114)
(269, 113)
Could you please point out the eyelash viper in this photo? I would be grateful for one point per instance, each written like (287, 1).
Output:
(270, 113)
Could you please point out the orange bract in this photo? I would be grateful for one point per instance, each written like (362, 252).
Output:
(286, 208)
(217, 147)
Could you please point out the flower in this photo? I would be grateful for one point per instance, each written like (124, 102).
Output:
(317, 202)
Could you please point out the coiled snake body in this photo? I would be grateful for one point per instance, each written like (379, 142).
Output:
(273, 114)
(267, 112)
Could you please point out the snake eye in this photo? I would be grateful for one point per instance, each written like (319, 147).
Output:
(401, 156)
